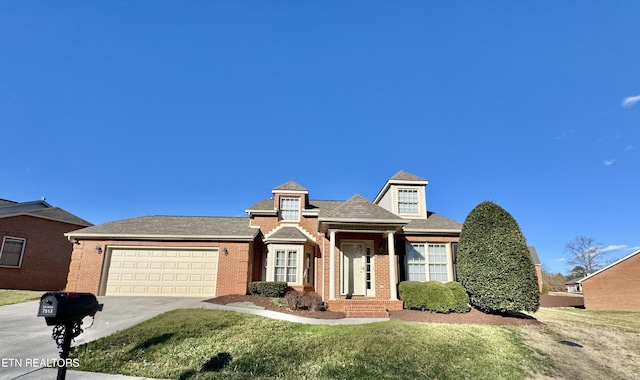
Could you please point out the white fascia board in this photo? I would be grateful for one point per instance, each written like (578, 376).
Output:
(290, 192)
(310, 212)
(609, 266)
(262, 212)
(71, 235)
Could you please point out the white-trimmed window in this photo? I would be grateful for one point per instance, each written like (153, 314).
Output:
(408, 201)
(427, 262)
(12, 251)
(286, 265)
(416, 262)
(290, 208)
(438, 263)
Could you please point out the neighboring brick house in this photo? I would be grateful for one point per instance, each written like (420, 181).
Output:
(352, 252)
(34, 253)
(536, 263)
(615, 287)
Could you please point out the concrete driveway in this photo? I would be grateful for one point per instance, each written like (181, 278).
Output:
(27, 342)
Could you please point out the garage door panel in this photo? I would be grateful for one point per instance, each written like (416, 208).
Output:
(157, 272)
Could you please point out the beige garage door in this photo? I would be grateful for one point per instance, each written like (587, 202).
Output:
(162, 272)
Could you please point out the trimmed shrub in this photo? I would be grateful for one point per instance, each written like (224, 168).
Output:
(268, 288)
(439, 297)
(434, 296)
(494, 263)
(460, 297)
(303, 300)
(413, 294)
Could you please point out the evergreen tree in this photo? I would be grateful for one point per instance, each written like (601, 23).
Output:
(494, 264)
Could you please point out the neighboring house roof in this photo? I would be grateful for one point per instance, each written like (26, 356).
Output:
(609, 266)
(433, 223)
(534, 255)
(172, 228)
(39, 209)
(573, 281)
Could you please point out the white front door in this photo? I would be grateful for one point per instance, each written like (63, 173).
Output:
(353, 269)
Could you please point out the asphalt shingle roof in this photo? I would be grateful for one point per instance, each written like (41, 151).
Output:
(167, 227)
(404, 176)
(291, 185)
(358, 207)
(434, 222)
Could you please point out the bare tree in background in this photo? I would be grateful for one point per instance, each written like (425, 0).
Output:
(585, 252)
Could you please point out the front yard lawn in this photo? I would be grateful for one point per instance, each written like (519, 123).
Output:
(209, 344)
(9, 297)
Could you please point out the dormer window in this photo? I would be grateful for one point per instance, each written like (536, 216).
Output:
(408, 201)
(290, 208)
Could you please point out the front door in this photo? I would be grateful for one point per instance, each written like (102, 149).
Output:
(353, 269)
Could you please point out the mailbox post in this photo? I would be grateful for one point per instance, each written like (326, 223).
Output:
(65, 312)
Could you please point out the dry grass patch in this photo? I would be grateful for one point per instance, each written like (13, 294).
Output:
(9, 297)
(609, 343)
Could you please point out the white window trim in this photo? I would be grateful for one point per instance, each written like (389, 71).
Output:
(271, 262)
(24, 245)
(449, 261)
(280, 209)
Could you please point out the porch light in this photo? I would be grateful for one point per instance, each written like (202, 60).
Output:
(224, 251)
(381, 248)
(98, 249)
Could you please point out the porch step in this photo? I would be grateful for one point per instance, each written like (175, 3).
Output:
(366, 311)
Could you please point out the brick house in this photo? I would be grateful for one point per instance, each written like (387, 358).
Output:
(614, 287)
(353, 252)
(34, 253)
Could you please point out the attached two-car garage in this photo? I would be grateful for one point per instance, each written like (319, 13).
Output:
(143, 271)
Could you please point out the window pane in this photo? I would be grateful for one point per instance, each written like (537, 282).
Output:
(289, 208)
(280, 256)
(11, 252)
(293, 255)
(407, 201)
(437, 253)
(438, 272)
(279, 274)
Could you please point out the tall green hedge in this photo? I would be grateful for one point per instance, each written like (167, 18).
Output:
(494, 263)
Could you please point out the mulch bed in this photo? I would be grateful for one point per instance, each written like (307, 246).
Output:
(472, 317)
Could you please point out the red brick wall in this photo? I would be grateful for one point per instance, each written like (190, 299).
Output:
(617, 288)
(47, 253)
(234, 269)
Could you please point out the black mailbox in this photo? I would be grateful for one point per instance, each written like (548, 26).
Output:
(63, 308)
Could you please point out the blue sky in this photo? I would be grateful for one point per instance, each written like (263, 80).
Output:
(118, 109)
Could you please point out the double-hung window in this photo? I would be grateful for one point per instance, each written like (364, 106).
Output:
(290, 208)
(11, 252)
(286, 265)
(427, 262)
(416, 262)
(408, 201)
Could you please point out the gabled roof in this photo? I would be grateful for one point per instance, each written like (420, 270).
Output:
(288, 234)
(290, 186)
(359, 209)
(609, 266)
(400, 178)
(404, 176)
(39, 209)
(171, 228)
(435, 223)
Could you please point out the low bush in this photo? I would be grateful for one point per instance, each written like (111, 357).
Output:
(434, 296)
(296, 300)
(268, 288)
(414, 294)
(439, 297)
(460, 297)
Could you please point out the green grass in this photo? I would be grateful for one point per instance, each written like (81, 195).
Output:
(9, 297)
(208, 344)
